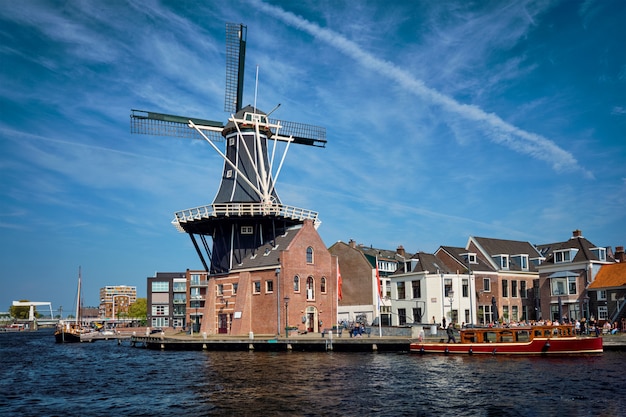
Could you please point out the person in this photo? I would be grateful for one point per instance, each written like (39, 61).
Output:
(443, 322)
(450, 332)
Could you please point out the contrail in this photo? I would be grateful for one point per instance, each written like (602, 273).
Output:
(498, 130)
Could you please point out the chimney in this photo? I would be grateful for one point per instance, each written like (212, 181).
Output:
(577, 233)
(620, 256)
(352, 244)
(400, 251)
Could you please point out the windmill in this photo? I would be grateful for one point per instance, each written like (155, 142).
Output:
(246, 212)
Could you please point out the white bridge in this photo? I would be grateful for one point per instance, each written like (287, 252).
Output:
(32, 304)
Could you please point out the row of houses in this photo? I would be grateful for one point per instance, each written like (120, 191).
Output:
(295, 283)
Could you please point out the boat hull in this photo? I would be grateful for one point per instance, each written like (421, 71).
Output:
(67, 337)
(537, 346)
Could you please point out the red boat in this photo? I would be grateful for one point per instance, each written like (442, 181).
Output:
(523, 340)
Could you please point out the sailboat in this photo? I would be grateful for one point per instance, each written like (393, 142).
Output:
(68, 331)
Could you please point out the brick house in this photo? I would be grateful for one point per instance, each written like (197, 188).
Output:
(569, 268)
(291, 281)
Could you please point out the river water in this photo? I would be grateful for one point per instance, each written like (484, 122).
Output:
(41, 378)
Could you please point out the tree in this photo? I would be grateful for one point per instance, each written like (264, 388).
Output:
(139, 309)
(21, 312)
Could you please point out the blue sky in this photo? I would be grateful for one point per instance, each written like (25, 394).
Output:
(444, 119)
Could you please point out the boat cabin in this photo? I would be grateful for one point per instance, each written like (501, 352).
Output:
(515, 334)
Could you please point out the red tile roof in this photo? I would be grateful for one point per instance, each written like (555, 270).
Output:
(610, 276)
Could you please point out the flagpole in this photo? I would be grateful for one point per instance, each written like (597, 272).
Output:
(378, 300)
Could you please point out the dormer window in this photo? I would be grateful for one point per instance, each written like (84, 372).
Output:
(470, 258)
(521, 260)
(563, 256)
(600, 253)
(502, 261)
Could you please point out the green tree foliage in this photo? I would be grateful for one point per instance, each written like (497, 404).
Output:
(21, 312)
(139, 309)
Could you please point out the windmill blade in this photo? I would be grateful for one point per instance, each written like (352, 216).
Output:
(303, 134)
(160, 124)
(236, 35)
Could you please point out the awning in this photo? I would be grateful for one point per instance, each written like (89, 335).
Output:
(563, 274)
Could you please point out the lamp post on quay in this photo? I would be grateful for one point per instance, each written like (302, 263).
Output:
(286, 316)
(451, 299)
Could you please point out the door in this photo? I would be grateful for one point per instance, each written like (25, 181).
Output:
(222, 320)
(311, 320)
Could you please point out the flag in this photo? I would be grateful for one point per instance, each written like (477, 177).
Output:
(378, 292)
(339, 284)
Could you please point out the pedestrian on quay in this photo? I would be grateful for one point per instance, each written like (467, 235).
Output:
(450, 332)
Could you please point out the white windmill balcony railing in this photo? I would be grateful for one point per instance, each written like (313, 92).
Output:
(242, 209)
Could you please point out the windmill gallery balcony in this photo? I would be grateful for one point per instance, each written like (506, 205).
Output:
(242, 210)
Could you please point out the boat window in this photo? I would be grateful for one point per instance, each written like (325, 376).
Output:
(491, 337)
(507, 336)
(523, 336)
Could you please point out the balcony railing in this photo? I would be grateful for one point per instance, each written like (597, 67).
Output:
(242, 209)
(204, 283)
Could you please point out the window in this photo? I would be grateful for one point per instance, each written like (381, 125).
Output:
(296, 284)
(515, 313)
(309, 255)
(269, 286)
(521, 261)
(601, 294)
(323, 285)
(195, 279)
(401, 316)
(558, 286)
(600, 253)
(465, 287)
(571, 281)
(401, 291)
(505, 288)
(513, 288)
(180, 286)
(447, 286)
(566, 255)
(486, 285)
(417, 289)
(160, 321)
(387, 288)
(180, 298)
(417, 315)
(310, 288)
(603, 313)
(235, 285)
(256, 289)
(502, 261)
(246, 230)
(220, 289)
(160, 310)
(160, 286)
(522, 289)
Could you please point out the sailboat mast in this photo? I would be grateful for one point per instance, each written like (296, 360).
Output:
(78, 297)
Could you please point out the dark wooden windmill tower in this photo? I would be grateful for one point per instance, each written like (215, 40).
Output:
(246, 212)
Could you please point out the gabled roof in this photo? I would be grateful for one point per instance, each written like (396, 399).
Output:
(267, 255)
(458, 254)
(492, 247)
(583, 246)
(610, 276)
(384, 254)
(428, 262)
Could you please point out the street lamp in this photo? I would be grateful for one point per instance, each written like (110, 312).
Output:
(451, 298)
(286, 316)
